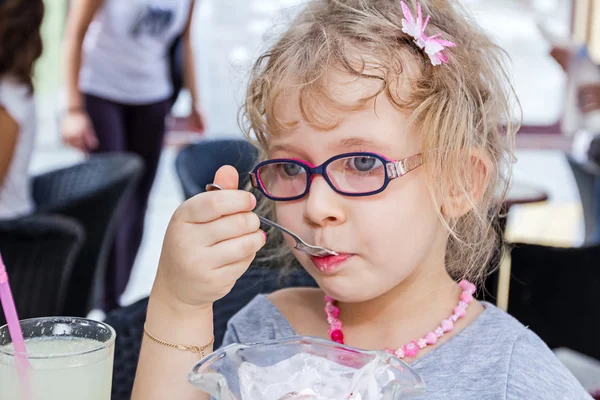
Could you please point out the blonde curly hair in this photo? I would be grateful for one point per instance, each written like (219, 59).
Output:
(465, 104)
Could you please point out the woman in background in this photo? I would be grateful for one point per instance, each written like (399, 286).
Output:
(119, 93)
(585, 29)
(20, 47)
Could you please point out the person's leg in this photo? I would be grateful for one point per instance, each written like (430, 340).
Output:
(145, 127)
(108, 120)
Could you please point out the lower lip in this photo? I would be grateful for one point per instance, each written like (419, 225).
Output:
(330, 264)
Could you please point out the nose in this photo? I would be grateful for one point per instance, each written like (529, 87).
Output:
(323, 205)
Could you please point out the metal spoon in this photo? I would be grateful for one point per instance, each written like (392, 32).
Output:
(301, 245)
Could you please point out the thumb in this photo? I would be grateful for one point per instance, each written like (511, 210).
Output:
(227, 177)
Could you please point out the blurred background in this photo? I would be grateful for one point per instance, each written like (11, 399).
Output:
(552, 207)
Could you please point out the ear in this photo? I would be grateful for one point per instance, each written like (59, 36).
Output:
(459, 202)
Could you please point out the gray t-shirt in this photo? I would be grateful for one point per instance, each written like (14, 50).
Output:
(495, 357)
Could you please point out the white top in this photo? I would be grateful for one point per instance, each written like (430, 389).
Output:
(125, 51)
(15, 192)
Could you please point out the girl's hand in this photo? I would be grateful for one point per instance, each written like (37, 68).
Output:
(210, 242)
(77, 131)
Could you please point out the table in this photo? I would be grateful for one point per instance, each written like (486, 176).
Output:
(584, 368)
(522, 193)
(519, 193)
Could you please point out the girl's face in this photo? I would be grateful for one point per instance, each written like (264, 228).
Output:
(384, 239)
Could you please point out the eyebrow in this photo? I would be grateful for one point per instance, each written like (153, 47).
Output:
(362, 142)
(347, 143)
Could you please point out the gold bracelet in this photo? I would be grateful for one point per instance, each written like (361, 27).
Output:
(192, 348)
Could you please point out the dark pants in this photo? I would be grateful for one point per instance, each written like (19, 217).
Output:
(597, 231)
(137, 129)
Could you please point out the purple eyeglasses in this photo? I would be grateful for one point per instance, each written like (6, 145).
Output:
(349, 174)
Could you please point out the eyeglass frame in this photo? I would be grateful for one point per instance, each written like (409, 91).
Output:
(394, 169)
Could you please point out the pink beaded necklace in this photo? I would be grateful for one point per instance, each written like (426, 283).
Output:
(410, 349)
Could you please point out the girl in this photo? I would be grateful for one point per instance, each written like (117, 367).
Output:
(352, 85)
(20, 47)
(119, 92)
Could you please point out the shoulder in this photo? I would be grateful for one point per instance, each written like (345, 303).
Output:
(10, 89)
(498, 355)
(15, 98)
(535, 372)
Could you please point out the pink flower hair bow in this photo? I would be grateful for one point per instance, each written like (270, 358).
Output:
(433, 46)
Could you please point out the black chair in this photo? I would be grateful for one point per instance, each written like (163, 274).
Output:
(197, 163)
(39, 252)
(91, 193)
(128, 322)
(586, 181)
(556, 292)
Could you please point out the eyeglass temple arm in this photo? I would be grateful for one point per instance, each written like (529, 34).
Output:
(403, 167)
(253, 179)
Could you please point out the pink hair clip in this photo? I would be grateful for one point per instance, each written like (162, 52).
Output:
(416, 28)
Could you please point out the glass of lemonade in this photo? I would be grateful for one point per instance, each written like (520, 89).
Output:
(69, 358)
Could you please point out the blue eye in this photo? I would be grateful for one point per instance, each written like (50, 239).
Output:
(292, 169)
(364, 164)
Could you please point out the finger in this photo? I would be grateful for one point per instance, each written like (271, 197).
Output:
(82, 143)
(77, 142)
(67, 140)
(237, 249)
(230, 273)
(232, 226)
(192, 123)
(207, 207)
(201, 125)
(227, 177)
(91, 141)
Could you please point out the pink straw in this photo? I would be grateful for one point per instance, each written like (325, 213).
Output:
(14, 328)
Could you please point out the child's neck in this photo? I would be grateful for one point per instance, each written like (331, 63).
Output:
(405, 313)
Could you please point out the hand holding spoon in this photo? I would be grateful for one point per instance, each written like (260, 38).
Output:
(301, 245)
